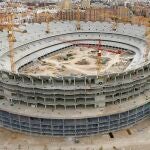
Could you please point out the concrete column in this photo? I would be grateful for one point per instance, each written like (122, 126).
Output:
(115, 79)
(130, 76)
(85, 81)
(148, 68)
(55, 106)
(23, 79)
(63, 81)
(53, 82)
(75, 106)
(69, 81)
(63, 128)
(44, 103)
(36, 102)
(128, 118)
(74, 81)
(32, 80)
(89, 80)
(19, 122)
(113, 98)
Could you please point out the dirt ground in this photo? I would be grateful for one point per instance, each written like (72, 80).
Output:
(138, 140)
(79, 61)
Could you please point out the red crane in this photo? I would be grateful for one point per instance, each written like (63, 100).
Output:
(99, 49)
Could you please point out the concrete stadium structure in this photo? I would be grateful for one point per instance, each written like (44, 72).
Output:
(76, 105)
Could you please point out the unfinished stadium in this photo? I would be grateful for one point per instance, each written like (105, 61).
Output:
(76, 103)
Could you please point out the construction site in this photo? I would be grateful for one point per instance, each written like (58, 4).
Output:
(78, 61)
(74, 75)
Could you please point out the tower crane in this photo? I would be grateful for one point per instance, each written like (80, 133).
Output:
(6, 22)
(47, 17)
(8, 25)
(78, 18)
(99, 58)
(114, 19)
(11, 40)
(51, 16)
(147, 35)
(114, 25)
